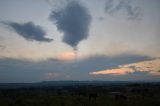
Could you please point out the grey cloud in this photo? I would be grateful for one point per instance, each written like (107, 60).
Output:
(115, 6)
(100, 18)
(15, 70)
(74, 21)
(101, 62)
(135, 76)
(2, 47)
(29, 31)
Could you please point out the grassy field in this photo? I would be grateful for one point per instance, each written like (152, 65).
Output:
(83, 95)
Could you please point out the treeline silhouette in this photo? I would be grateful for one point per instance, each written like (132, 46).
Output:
(119, 94)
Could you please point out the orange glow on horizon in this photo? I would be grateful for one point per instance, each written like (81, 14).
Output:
(69, 55)
(119, 71)
(152, 67)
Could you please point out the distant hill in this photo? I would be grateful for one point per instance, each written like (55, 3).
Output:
(72, 83)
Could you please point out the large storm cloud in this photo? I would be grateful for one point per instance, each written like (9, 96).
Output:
(74, 21)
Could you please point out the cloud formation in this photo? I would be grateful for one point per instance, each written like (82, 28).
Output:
(27, 71)
(115, 6)
(74, 21)
(2, 47)
(29, 31)
(151, 67)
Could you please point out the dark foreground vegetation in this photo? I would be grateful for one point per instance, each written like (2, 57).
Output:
(80, 94)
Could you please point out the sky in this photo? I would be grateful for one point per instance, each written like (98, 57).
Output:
(111, 40)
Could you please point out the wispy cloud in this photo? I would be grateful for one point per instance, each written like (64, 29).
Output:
(29, 31)
(74, 21)
(151, 67)
(51, 75)
(2, 47)
(113, 7)
(117, 71)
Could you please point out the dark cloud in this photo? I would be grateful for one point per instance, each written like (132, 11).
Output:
(74, 21)
(20, 70)
(115, 6)
(29, 31)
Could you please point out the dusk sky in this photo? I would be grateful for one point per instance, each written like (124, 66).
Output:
(111, 40)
